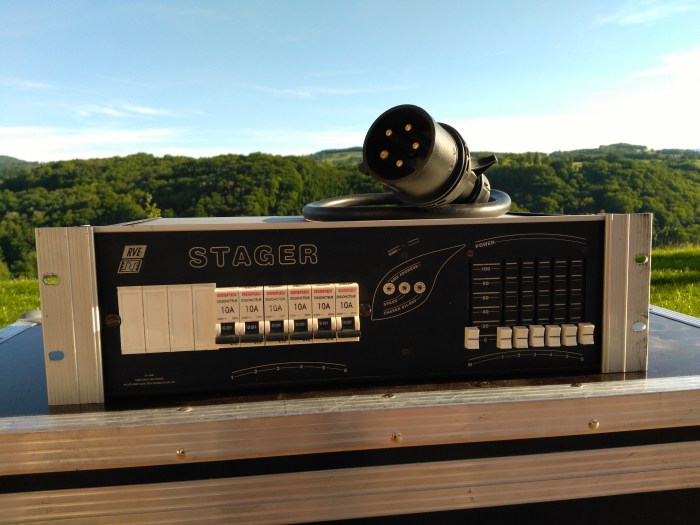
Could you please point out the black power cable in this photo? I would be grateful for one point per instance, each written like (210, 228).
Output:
(428, 169)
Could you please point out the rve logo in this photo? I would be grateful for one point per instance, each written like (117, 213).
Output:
(132, 257)
(136, 251)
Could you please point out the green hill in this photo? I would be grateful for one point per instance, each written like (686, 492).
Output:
(9, 164)
(339, 156)
(616, 178)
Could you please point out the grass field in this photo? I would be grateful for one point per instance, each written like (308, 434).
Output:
(675, 279)
(16, 297)
(675, 284)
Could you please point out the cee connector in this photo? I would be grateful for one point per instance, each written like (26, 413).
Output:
(423, 162)
(425, 165)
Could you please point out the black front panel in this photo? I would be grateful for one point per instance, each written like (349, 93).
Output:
(434, 301)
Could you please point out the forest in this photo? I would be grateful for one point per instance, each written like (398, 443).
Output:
(619, 178)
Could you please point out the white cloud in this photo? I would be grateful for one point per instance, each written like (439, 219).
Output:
(576, 131)
(657, 107)
(121, 110)
(44, 144)
(683, 66)
(291, 93)
(309, 92)
(48, 144)
(308, 143)
(91, 110)
(644, 11)
(24, 84)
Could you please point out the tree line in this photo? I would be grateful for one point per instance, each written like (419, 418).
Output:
(613, 179)
(619, 178)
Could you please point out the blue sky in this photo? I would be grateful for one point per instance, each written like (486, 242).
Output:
(86, 78)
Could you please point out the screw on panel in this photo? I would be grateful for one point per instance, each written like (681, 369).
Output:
(181, 453)
(113, 321)
(593, 424)
(396, 437)
(639, 326)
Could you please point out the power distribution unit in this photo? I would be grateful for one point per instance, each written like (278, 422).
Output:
(169, 306)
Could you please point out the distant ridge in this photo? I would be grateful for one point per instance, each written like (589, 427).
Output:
(7, 162)
(341, 155)
(354, 154)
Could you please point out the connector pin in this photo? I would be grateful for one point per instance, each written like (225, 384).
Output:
(384, 154)
(408, 127)
(415, 146)
(399, 163)
(389, 132)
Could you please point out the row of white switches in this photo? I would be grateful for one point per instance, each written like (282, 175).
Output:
(191, 317)
(168, 318)
(535, 336)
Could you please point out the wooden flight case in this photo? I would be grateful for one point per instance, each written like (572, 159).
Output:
(622, 446)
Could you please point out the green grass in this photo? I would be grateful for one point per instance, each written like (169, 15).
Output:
(675, 279)
(675, 284)
(16, 297)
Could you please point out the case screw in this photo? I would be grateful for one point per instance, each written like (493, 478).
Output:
(396, 437)
(365, 310)
(181, 453)
(113, 321)
(593, 424)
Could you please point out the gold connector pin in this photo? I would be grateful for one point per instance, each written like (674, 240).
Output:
(399, 163)
(415, 145)
(408, 127)
(384, 154)
(389, 132)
